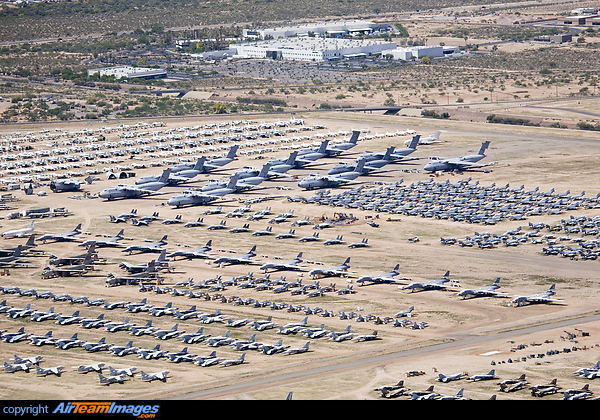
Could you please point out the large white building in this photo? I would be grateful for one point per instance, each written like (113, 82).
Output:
(319, 29)
(313, 49)
(129, 72)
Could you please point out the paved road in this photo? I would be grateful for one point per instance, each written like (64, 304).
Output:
(289, 378)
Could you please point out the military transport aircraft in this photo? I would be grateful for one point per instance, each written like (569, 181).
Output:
(459, 164)
(125, 191)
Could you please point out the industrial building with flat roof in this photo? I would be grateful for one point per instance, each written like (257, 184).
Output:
(313, 49)
(128, 72)
(319, 29)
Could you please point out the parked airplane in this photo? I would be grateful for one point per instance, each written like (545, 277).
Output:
(459, 164)
(100, 345)
(218, 163)
(233, 362)
(168, 309)
(447, 378)
(188, 313)
(405, 313)
(423, 395)
(124, 350)
(13, 259)
(146, 329)
(338, 270)
(337, 241)
(125, 371)
(270, 349)
(158, 376)
(177, 176)
(57, 370)
(24, 247)
(210, 360)
(543, 297)
(20, 312)
(19, 233)
(458, 396)
(483, 291)
(33, 360)
(66, 236)
(124, 325)
(401, 154)
(125, 191)
(152, 247)
(68, 343)
(279, 168)
(160, 263)
(362, 244)
(483, 377)
(254, 181)
(284, 265)
(367, 337)
(432, 139)
(94, 322)
(310, 156)
(97, 367)
(113, 379)
(238, 259)
(17, 367)
(112, 241)
(40, 340)
(168, 334)
(314, 181)
(381, 278)
(65, 185)
(155, 353)
(199, 198)
(438, 284)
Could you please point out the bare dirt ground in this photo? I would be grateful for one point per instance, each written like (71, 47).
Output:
(548, 158)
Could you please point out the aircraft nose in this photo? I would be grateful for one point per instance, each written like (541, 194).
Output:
(430, 167)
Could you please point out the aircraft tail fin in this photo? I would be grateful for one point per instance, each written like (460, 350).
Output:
(483, 148)
(323, 146)
(292, 158)
(388, 152)
(354, 138)
(164, 177)
(264, 171)
(232, 151)
(31, 241)
(414, 142)
(17, 252)
(199, 166)
(233, 181)
(360, 165)
(436, 135)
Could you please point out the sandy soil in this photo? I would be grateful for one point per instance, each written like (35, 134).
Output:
(525, 155)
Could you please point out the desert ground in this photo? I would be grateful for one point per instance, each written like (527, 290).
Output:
(471, 334)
